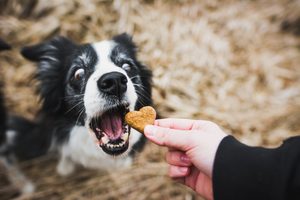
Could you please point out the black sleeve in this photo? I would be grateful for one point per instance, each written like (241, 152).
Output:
(242, 172)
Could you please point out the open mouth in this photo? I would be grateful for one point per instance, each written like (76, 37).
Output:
(111, 130)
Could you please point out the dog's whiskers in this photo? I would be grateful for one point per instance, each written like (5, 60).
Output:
(142, 102)
(80, 113)
(137, 76)
(141, 93)
(143, 88)
(77, 104)
(73, 96)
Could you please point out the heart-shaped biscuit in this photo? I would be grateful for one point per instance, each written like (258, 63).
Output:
(139, 119)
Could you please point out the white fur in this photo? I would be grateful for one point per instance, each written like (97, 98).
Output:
(16, 177)
(13, 172)
(93, 99)
(81, 149)
(10, 137)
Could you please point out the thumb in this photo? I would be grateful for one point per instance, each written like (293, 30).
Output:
(179, 139)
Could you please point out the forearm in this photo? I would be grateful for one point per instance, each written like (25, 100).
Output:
(243, 172)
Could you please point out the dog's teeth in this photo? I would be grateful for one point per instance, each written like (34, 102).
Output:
(112, 146)
(105, 139)
(125, 136)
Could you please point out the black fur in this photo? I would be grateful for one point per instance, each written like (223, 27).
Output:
(126, 45)
(52, 58)
(57, 60)
(3, 46)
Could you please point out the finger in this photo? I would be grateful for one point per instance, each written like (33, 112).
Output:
(176, 171)
(178, 158)
(178, 139)
(173, 123)
(199, 182)
(190, 181)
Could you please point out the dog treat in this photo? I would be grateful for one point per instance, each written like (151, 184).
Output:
(139, 119)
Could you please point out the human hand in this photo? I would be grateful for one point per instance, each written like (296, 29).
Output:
(192, 148)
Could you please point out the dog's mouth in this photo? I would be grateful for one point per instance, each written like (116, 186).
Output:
(111, 130)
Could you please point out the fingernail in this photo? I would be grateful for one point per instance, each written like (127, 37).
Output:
(183, 169)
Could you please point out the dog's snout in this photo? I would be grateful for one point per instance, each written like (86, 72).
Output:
(113, 83)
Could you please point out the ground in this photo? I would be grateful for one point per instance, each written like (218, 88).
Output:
(233, 62)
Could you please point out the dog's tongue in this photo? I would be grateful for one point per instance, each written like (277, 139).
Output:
(111, 125)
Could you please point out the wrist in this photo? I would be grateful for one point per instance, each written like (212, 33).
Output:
(214, 148)
(205, 152)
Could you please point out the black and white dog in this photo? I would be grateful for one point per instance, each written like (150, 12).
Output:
(86, 90)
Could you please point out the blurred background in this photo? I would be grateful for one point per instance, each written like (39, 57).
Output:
(236, 63)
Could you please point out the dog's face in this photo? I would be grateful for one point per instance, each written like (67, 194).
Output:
(93, 84)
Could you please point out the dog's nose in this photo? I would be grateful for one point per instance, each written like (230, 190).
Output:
(113, 83)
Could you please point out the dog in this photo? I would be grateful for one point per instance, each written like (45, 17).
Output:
(85, 91)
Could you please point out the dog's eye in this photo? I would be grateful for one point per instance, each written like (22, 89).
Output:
(126, 66)
(79, 74)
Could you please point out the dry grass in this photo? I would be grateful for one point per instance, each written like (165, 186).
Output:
(227, 61)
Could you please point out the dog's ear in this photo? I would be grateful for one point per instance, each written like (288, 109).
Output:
(51, 57)
(54, 49)
(124, 38)
(4, 45)
(126, 41)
